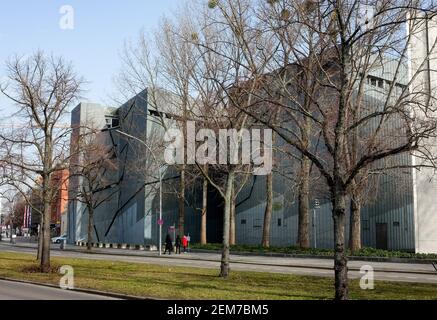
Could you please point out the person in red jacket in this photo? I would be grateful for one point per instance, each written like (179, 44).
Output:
(185, 243)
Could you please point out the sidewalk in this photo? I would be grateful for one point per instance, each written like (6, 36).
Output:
(313, 263)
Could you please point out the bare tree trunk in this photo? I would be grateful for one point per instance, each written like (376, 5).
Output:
(232, 218)
(40, 241)
(90, 227)
(11, 238)
(181, 222)
(355, 224)
(338, 188)
(268, 211)
(303, 233)
(340, 260)
(203, 239)
(47, 200)
(45, 251)
(224, 266)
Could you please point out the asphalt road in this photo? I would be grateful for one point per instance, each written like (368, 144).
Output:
(23, 291)
(404, 272)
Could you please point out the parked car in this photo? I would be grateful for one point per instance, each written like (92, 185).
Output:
(59, 239)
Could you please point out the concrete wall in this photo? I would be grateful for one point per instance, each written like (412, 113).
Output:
(87, 115)
(130, 213)
(423, 74)
(393, 205)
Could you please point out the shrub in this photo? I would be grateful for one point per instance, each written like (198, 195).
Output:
(364, 252)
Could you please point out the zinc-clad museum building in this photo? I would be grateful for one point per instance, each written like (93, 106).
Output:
(402, 215)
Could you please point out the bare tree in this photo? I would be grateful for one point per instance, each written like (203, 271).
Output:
(27, 185)
(345, 50)
(230, 69)
(166, 73)
(313, 63)
(177, 64)
(94, 161)
(42, 88)
(14, 210)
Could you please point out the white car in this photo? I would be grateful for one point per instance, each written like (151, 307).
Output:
(59, 239)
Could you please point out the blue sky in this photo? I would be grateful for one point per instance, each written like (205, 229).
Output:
(93, 46)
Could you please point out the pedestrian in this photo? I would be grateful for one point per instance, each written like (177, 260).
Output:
(178, 244)
(185, 243)
(188, 242)
(168, 244)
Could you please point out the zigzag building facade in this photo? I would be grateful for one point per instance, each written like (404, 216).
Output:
(402, 214)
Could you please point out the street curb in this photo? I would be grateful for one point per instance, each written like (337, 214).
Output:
(309, 256)
(89, 291)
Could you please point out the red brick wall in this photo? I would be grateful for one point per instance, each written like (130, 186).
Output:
(60, 201)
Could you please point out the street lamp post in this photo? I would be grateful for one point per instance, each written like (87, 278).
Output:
(160, 183)
(160, 210)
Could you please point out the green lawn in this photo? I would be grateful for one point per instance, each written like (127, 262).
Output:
(158, 281)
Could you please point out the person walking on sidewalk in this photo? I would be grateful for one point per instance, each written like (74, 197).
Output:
(178, 244)
(185, 243)
(168, 244)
